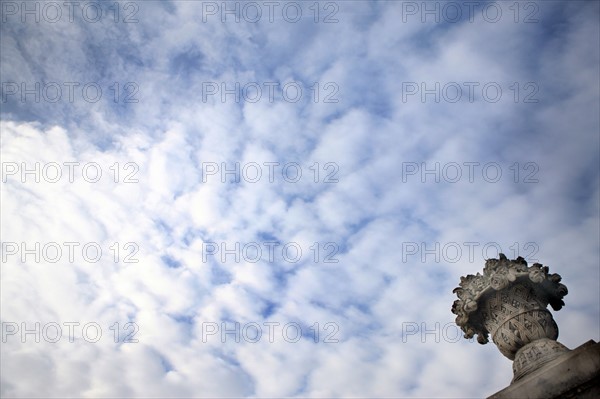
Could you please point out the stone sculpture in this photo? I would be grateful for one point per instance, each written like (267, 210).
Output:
(509, 302)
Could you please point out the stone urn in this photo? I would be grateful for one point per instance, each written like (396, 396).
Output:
(509, 302)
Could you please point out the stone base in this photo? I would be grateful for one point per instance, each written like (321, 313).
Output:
(574, 374)
(535, 355)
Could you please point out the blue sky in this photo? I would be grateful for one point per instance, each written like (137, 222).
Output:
(397, 145)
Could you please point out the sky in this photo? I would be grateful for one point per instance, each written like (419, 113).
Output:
(276, 199)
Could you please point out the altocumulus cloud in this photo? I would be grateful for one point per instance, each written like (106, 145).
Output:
(321, 175)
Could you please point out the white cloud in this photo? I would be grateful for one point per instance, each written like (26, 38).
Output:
(376, 292)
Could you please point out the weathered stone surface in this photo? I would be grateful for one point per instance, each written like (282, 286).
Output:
(535, 354)
(573, 374)
(539, 290)
(509, 301)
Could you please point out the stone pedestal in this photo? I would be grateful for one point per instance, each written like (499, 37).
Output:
(573, 374)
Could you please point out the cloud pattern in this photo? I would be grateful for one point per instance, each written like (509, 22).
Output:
(347, 243)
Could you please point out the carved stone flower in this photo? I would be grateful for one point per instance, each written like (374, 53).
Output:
(512, 275)
(499, 274)
(498, 281)
(536, 273)
(482, 339)
(470, 306)
(462, 319)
